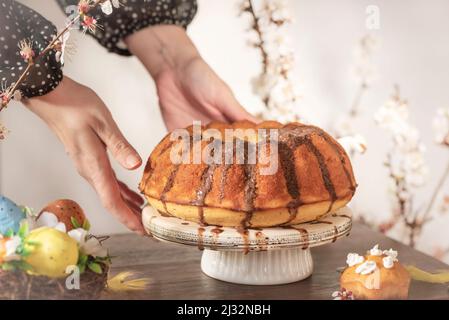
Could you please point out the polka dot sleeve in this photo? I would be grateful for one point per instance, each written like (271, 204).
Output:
(134, 15)
(20, 23)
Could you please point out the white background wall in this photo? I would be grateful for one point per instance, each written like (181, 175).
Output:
(35, 169)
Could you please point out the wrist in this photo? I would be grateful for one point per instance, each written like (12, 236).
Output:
(162, 47)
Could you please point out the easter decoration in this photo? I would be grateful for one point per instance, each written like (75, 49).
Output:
(378, 275)
(50, 255)
(10, 215)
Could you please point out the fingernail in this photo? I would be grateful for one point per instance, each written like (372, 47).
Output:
(132, 161)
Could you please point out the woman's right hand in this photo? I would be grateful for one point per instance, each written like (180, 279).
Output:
(85, 126)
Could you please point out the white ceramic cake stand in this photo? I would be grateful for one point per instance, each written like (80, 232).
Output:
(265, 256)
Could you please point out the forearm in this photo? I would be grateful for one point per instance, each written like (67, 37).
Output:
(162, 47)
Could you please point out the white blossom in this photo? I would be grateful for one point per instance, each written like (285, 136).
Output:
(441, 126)
(275, 85)
(353, 144)
(11, 246)
(89, 245)
(60, 53)
(406, 157)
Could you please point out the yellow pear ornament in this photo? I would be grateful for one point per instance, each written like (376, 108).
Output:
(50, 252)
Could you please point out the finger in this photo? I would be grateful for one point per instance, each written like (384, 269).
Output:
(130, 195)
(116, 143)
(93, 164)
(233, 110)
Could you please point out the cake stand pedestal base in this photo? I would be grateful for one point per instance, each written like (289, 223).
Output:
(258, 267)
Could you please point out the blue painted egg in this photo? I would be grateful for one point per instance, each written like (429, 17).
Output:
(10, 215)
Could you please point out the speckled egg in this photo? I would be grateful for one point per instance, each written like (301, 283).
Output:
(65, 210)
(10, 215)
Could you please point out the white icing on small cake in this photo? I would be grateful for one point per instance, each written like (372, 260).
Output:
(375, 251)
(353, 259)
(391, 253)
(388, 262)
(366, 268)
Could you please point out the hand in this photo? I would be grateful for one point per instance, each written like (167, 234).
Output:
(188, 88)
(86, 128)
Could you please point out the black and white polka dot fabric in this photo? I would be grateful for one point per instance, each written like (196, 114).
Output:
(134, 15)
(18, 22)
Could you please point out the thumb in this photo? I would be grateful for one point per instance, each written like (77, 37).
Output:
(120, 148)
(233, 110)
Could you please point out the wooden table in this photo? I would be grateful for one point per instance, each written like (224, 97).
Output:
(174, 270)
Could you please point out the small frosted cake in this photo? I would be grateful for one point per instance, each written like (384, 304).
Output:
(375, 276)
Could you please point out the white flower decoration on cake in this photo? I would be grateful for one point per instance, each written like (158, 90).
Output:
(366, 268)
(391, 253)
(353, 259)
(375, 251)
(388, 262)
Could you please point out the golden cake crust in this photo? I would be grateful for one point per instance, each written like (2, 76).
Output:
(314, 177)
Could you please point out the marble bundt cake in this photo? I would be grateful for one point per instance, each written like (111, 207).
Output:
(313, 177)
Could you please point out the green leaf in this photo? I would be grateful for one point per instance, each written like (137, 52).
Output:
(95, 267)
(23, 230)
(82, 267)
(82, 259)
(75, 223)
(9, 233)
(86, 225)
(29, 212)
(7, 266)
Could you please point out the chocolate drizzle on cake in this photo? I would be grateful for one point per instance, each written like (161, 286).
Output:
(304, 237)
(204, 189)
(335, 234)
(324, 172)
(342, 216)
(286, 152)
(339, 152)
(250, 191)
(171, 178)
(320, 222)
(262, 241)
(215, 234)
(201, 238)
(286, 157)
(245, 237)
(168, 186)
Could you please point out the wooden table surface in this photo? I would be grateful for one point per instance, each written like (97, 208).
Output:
(174, 270)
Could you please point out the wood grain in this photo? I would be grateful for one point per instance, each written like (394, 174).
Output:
(175, 271)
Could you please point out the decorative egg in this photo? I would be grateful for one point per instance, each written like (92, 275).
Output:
(50, 252)
(66, 210)
(10, 215)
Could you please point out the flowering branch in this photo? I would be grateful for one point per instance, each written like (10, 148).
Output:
(407, 169)
(249, 7)
(274, 84)
(28, 54)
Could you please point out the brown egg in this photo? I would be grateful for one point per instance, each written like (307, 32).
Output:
(65, 210)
